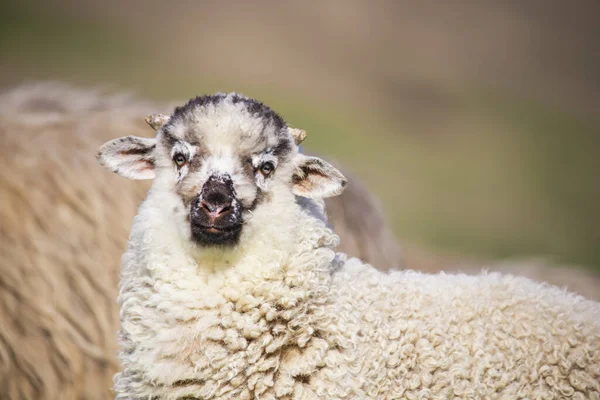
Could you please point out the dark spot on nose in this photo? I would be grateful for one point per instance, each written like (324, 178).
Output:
(216, 207)
(216, 216)
(217, 198)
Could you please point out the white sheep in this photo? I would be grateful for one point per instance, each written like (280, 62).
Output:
(231, 288)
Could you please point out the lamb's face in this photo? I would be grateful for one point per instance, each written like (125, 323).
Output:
(218, 159)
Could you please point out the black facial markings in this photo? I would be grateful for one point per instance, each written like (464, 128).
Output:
(258, 109)
(254, 107)
(196, 161)
(227, 234)
(283, 148)
(168, 139)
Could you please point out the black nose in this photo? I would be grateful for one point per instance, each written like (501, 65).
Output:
(216, 205)
(216, 215)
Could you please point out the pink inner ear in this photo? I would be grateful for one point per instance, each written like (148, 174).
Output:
(313, 180)
(144, 168)
(135, 167)
(145, 165)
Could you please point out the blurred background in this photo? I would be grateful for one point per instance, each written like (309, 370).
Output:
(477, 123)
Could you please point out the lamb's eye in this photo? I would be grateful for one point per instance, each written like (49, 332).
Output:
(267, 168)
(179, 159)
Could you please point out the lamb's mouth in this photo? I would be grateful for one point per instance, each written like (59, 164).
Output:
(218, 229)
(216, 235)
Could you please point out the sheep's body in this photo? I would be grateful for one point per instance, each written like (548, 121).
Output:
(469, 337)
(303, 323)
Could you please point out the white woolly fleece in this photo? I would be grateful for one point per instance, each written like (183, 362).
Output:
(293, 320)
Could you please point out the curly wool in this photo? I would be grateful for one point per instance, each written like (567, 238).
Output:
(304, 323)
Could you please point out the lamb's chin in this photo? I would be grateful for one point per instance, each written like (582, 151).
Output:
(214, 236)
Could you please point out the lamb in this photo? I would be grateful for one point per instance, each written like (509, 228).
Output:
(64, 225)
(51, 261)
(231, 286)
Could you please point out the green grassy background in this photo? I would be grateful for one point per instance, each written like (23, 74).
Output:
(470, 152)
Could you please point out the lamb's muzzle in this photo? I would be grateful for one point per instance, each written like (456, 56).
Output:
(215, 215)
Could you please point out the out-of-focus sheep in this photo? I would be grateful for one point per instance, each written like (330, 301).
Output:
(64, 224)
(364, 235)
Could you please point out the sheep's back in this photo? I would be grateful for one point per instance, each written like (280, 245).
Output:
(413, 334)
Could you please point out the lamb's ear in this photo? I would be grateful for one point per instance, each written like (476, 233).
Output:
(315, 178)
(130, 156)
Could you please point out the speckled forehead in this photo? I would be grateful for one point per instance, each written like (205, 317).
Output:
(226, 126)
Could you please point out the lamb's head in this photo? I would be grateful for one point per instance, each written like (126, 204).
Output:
(217, 161)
